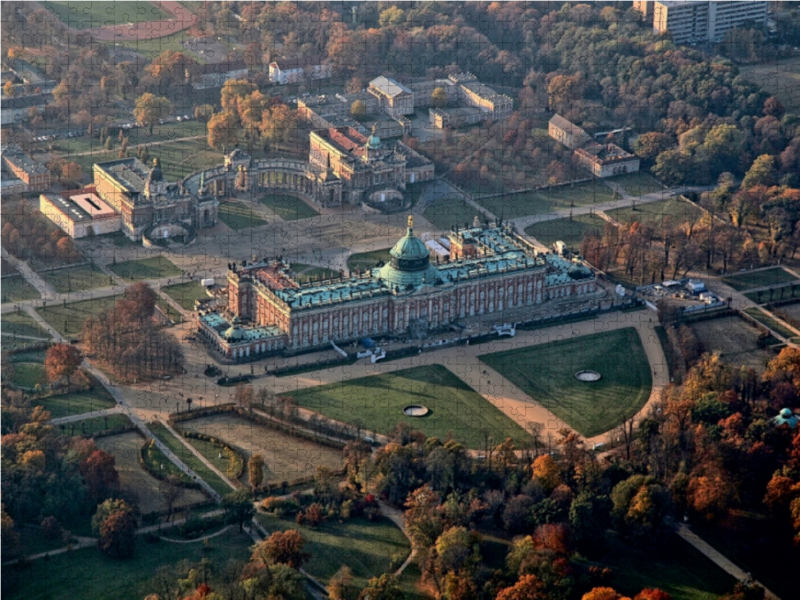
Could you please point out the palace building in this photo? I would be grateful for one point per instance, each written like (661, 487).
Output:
(490, 269)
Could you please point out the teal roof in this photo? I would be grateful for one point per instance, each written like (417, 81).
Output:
(786, 417)
(410, 264)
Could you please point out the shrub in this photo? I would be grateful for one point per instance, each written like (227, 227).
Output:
(51, 528)
(285, 505)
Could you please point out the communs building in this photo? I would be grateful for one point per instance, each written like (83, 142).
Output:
(490, 269)
(79, 214)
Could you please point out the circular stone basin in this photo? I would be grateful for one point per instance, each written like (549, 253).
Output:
(588, 376)
(416, 410)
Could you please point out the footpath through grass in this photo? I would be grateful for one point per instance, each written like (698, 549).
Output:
(77, 403)
(369, 548)
(16, 289)
(377, 403)
(768, 321)
(189, 459)
(569, 231)
(145, 268)
(654, 213)
(88, 573)
(547, 374)
(287, 207)
(22, 324)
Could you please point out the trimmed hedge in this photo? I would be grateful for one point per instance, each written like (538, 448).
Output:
(186, 415)
(158, 474)
(267, 422)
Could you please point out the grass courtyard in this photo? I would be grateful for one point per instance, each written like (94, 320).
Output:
(569, 231)
(16, 289)
(589, 408)
(369, 548)
(287, 207)
(368, 260)
(85, 277)
(100, 14)
(99, 576)
(654, 213)
(377, 402)
(446, 212)
(186, 294)
(28, 375)
(145, 268)
(758, 279)
(238, 215)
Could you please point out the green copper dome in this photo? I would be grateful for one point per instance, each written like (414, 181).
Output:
(410, 264)
(234, 332)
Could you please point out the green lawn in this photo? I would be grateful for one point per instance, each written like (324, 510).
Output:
(653, 213)
(212, 453)
(22, 324)
(547, 374)
(637, 184)
(511, 206)
(569, 231)
(87, 15)
(579, 194)
(158, 462)
(78, 403)
(367, 260)
(446, 212)
(85, 277)
(377, 403)
(237, 215)
(96, 575)
(785, 292)
(288, 208)
(306, 273)
(368, 548)
(16, 289)
(168, 310)
(140, 135)
(757, 279)
(28, 375)
(672, 566)
(68, 319)
(95, 425)
(145, 268)
(185, 294)
(768, 321)
(189, 459)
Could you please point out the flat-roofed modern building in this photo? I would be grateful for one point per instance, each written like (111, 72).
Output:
(35, 175)
(79, 215)
(701, 21)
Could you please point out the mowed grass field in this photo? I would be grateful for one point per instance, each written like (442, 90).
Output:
(547, 374)
(16, 289)
(781, 78)
(21, 324)
(735, 339)
(28, 375)
(238, 215)
(377, 404)
(368, 260)
(654, 213)
(757, 279)
(637, 184)
(511, 206)
(446, 212)
(145, 268)
(134, 479)
(185, 294)
(287, 207)
(77, 403)
(68, 319)
(75, 279)
(369, 548)
(569, 231)
(285, 457)
(88, 573)
(85, 15)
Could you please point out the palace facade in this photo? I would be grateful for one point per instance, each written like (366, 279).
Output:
(490, 269)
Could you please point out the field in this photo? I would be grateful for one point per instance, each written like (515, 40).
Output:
(189, 459)
(579, 194)
(285, 457)
(589, 408)
(135, 480)
(377, 402)
(653, 213)
(636, 184)
(569, 231)
(21, 324)
(138, 136)
(512, 206)
(85, 277)
(771, 323)
(757, 279)
(367, 260)
(145, 268)
(78, 403)
(68, 320)
(735, 340)
(99, 576)
(238, 215)
(116, 422)
(673, 566)
(16, 289)
(185, 294)
(445, 212)
(780, 78)
(28, 375)
(288, 208)
(83, 15)
(368, 548)
(306, 273)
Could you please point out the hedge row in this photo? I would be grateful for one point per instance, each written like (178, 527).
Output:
(207, 411)
(147, 466)
(267, 422)
(236, 465)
